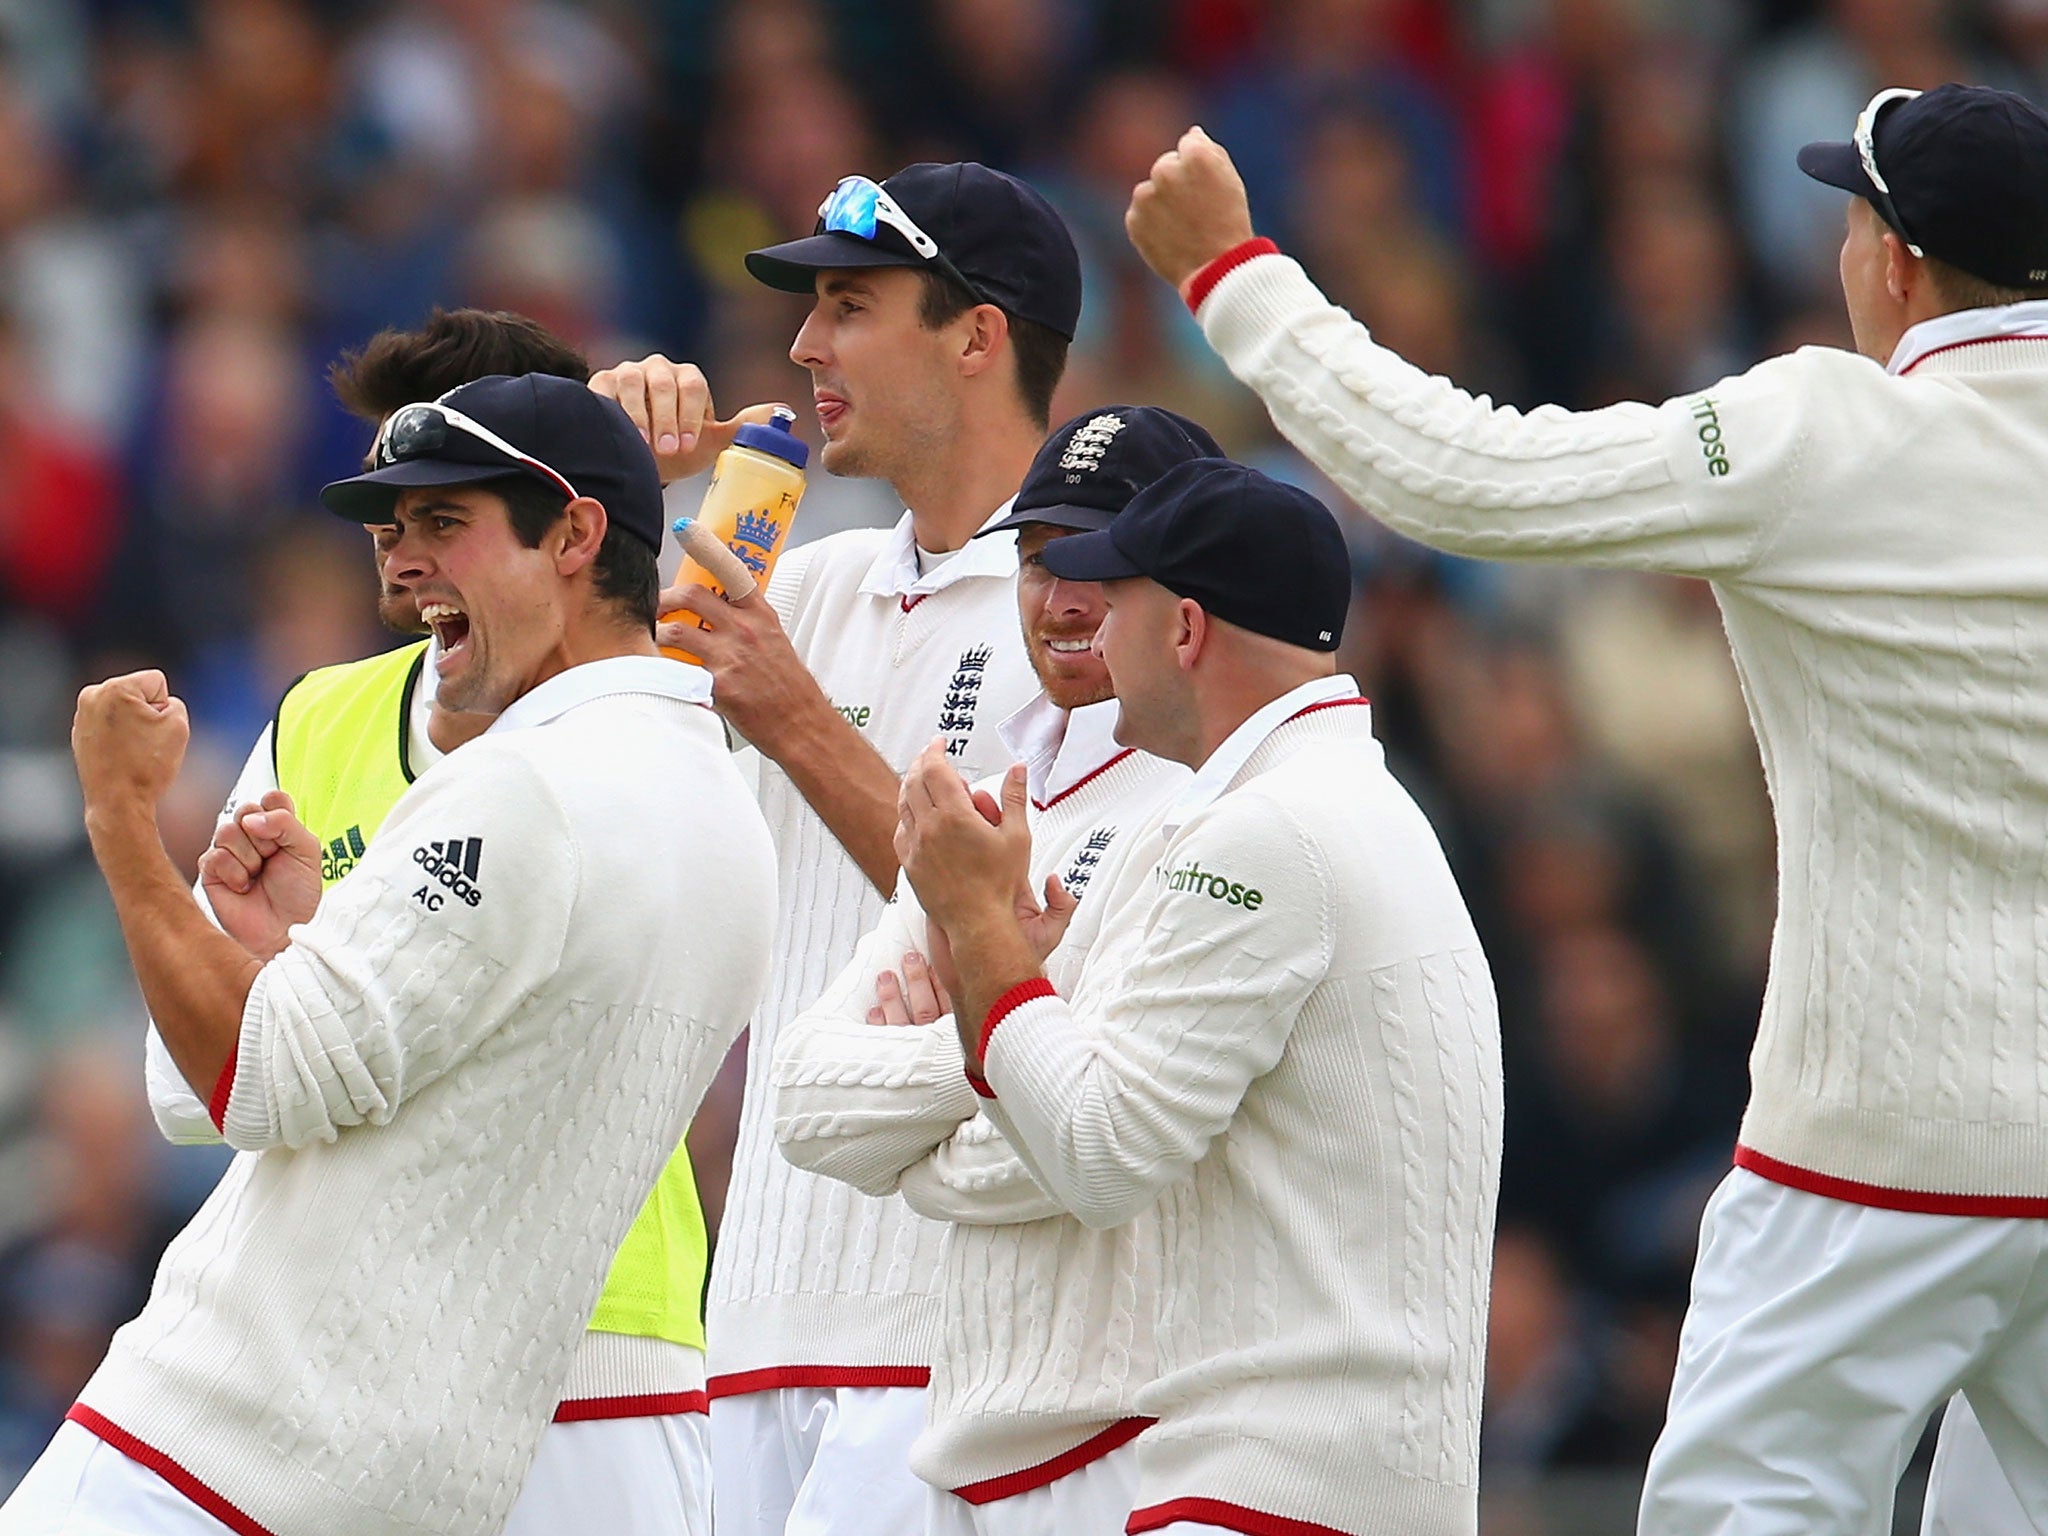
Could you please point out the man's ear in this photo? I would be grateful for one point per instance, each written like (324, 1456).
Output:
(1904, 273)
(1192, 632)
(578, 534)
(986, 333)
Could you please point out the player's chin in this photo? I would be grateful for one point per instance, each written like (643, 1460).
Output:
(1075, 687)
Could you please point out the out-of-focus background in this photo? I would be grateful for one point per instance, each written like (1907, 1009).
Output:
(1579, 201)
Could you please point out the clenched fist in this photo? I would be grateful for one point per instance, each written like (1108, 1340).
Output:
(1189, 211)
(128, 738)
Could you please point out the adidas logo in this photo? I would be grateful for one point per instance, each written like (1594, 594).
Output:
(453, 865)
(340, 855)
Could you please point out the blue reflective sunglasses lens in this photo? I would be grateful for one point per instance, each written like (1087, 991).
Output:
(851, 209)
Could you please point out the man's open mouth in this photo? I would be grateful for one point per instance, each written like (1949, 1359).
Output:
(449, 624)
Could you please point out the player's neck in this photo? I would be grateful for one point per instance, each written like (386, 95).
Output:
(951, 495)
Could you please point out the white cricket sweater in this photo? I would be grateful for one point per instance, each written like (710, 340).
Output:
(1047, 1330)
(1876, 542)
(814, 1283)
(452, 1094)
(1287, 1048)
(613, 1371)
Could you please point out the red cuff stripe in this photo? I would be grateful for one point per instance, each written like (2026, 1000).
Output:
(1231, 1517)
(1204, 282)
(1007, 1004)
(980, 1086)
(223, 1090)
(654, 1405)
(167, 1469)
(1918, 1202)
(773, 1377)
(1094, 1448)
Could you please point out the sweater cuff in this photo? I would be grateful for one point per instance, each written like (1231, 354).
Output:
(1006, 1005)
(223, 1090)
(1204, 282)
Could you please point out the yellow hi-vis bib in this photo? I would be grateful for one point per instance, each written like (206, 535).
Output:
(339, 746)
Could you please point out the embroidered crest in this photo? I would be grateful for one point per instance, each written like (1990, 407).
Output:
(1086, 447)
(1086, 857)
(963, 697)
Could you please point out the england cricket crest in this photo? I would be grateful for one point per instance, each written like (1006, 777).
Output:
(963, 697)
(1086, 858)
(1086, 447)
(753, 540)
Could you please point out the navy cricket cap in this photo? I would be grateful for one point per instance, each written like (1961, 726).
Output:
(997, 233)
(1967, 169)
(1253, 552)
(555, 431)
(1091, 466)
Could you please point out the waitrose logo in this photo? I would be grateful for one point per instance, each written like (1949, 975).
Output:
(1194, 880)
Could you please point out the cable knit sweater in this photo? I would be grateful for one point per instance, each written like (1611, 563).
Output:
(1047, 1332)
(1287, 1047)
(1877, 545)
(814, 1283)
(452, 1093)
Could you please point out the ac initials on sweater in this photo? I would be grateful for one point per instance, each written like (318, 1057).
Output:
(814, 1283)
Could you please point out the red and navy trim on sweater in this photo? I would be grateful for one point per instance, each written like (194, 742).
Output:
(774, 1377)
(163, 1466)
(1230, 1517)
(1916, 1201)
(1204, 282)
(1093, 1449)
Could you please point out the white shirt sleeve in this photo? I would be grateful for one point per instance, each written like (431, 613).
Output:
(179, 1112)
(1116, 1095)
(1695, 486)
(400, 975)
(862, 1102)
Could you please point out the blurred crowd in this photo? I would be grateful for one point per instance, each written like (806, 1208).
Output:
(1571, 201)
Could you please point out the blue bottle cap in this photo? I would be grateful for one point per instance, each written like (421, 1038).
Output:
(775, 437)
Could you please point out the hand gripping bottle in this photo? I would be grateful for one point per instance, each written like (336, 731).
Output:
(748, 507)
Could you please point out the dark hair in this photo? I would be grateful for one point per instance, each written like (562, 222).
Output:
(1040, 351)
(624, 571)
(455, 347)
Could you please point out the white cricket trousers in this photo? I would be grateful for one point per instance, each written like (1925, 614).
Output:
(1821, 1336)
(648, 1476)
(82, 1486)
(617, 1477)
(1093, 1500)
(817, 1461)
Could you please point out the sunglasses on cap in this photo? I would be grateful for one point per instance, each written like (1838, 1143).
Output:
(420, 431)
(1866, 151)
(859, 206)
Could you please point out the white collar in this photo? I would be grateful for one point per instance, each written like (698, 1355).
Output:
(600, 679)
(2028, 318)
(1061, 747)
(1224, 764)
(895, 571)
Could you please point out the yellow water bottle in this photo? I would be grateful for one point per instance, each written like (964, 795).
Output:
(749, 505)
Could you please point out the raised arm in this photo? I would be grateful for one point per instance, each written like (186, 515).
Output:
(1693, 486)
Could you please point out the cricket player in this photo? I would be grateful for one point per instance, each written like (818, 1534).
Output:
(455, 1076)
(1047, 1332)
(943, 300)
(1870, 522)
(628, 1447)
(1282, 1042)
